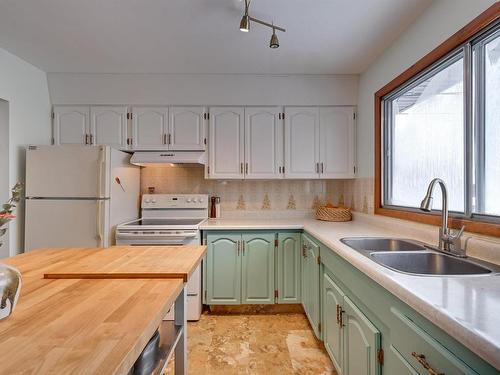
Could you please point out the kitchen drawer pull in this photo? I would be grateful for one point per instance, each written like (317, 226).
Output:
(317, 167)
(246, 168)
(322, 169)
(239, 246)
(421, 359)
(241, 168)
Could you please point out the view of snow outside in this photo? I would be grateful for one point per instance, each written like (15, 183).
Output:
(492, 128)
(428, 140)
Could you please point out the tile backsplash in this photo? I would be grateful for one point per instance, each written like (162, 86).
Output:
(260, 196)
(236, 195)
(356, 193)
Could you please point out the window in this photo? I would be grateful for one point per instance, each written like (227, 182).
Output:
(445, 122)
(487, 119)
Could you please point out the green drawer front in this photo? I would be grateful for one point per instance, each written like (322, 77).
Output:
(408, 338)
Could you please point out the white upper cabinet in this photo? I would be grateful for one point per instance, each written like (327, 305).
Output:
(71, 124)
(108, 126)
(226, 142)
(337, 142)
(187, 128)
(301, 142)
(263, 143)
(150, 128)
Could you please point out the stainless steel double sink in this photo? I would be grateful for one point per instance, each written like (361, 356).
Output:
(417, 258)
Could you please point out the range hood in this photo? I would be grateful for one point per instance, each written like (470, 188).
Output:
(144, 158)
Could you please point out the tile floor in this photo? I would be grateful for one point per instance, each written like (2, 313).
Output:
(254, 344)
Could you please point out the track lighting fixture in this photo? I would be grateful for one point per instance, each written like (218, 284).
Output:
(245, 26)
(274, 43)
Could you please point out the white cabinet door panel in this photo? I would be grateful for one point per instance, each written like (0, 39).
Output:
(263, 143)
(226, 145)
(337, 143)
(71, 124)
(108, 125)
(301, 142)
(187, 128)
(149, 128)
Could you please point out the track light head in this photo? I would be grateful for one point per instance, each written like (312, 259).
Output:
(245, 23)
(274, 43)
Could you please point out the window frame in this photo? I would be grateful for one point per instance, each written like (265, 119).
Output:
(477, 32)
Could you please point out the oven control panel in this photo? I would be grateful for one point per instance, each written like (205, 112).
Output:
(174, 201)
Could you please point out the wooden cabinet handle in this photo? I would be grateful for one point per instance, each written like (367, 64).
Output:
(421, 359)
(340, 320)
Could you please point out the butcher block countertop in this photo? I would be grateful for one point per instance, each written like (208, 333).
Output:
(90, 326)
(121, 262)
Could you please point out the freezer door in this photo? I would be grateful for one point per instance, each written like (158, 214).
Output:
(68, 171)
(66, 223)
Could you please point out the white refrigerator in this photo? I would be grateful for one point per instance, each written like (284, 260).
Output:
(76, 195)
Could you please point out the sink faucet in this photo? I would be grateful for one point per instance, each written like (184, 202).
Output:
(449, 242)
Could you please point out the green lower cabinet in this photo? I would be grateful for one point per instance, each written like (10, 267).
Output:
(223, 269)
(288, 267)
(311, 282)
(361, 342)
(332, 301)
(257, 279)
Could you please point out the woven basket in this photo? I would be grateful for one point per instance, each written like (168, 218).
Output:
(333, 214)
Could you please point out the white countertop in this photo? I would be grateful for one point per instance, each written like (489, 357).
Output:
(467, 308)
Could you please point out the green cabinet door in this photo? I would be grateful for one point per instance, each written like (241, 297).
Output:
(361, 342)
(223, 269)
(311, 284)
(257, 279)
(333, 300)
(289, 268)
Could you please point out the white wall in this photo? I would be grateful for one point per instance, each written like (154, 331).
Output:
(438, 22)
(208, 89)
(4, 166)
(25, 88)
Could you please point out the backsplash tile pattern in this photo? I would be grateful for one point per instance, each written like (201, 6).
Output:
(247, 195)
(357, 194)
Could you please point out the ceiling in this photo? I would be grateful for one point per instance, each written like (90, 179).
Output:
(202, 36)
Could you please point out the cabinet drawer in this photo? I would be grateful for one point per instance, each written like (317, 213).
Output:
(407, 338)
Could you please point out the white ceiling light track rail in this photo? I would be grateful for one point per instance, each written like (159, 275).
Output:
(245, 26)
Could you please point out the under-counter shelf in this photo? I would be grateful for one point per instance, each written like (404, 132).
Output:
(170, 334)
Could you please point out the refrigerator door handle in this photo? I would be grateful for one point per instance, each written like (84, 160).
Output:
(99, 222)
(101, 162)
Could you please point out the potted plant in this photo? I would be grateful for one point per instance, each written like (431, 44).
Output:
(10, 277)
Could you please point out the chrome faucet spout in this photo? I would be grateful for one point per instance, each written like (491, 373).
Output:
(426, 204)
(448, 242)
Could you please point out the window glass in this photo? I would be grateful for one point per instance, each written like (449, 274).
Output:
(426, 139)
(492, 127)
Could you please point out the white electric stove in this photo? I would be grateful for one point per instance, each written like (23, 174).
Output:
(170, 219)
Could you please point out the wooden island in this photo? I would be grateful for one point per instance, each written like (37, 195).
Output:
(100, 323)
